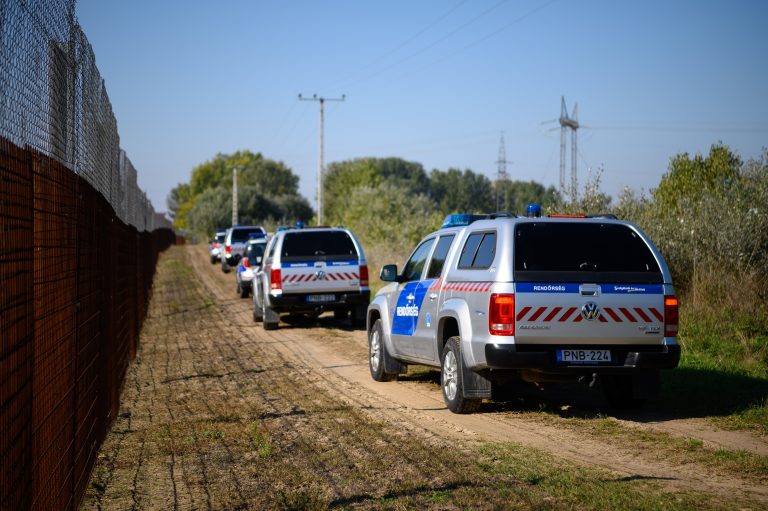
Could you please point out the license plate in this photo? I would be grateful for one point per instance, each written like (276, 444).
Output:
(321, 298)
(584, 356)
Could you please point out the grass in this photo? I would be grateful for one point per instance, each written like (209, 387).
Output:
(568, 485)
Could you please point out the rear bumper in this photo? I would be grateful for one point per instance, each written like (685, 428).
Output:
(543, 358)
(298, 302)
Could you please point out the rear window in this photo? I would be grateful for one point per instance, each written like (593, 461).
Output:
(318, 246)
(255, 251)
(582, 252)
(242, 235)
(220, 237)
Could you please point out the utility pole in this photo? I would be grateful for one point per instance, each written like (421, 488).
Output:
(321, 165)
(234, 195)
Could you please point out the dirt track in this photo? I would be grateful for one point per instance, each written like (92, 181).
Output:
(304, 391)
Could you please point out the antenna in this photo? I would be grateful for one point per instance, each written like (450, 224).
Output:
(571, 123)
(501, 174)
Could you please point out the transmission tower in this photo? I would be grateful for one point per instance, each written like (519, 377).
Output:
(571, 122)
(501, 174)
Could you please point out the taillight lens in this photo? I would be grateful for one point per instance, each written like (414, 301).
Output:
(228, 249)
(245, 263)
(275, 279)
(364, 276)
(671, 306)
(501, 314)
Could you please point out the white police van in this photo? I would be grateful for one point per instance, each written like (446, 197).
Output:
(492, 299)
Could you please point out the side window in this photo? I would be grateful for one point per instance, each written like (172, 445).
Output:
(438, 257)
(415, 264)
(469, 250)
(486, 252)
(478, 251)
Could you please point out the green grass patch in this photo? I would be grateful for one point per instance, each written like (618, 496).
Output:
(569, 485)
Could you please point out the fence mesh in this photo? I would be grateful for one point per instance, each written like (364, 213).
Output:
(78, 246)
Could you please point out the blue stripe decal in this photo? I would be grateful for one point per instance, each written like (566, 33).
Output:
(311, 264)
(546, 288)
(632, 289)
(409, 306)
(623, 289)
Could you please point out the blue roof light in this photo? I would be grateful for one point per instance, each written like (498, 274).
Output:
(460, 219)
(256, 235)
(533, 210)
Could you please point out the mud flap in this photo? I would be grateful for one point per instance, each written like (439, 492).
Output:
(392, 365)
(270, 316)
(474, 385)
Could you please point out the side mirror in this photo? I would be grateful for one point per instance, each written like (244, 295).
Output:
(388, 273)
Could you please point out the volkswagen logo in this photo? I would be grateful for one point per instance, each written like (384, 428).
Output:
(590, 311)
(320, 275)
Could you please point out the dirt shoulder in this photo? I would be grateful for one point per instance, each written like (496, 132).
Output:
(219, 414)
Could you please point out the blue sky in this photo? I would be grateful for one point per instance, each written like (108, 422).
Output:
(432, 81)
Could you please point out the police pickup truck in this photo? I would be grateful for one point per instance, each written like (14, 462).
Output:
(494, 299)
(310, 271)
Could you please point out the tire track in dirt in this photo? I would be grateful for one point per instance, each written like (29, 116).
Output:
(315, 353)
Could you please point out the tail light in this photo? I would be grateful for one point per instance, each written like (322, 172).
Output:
(501, 314)
(671, 305)
(228, 249)
(364, 276)
(245, 263)
(275, 279)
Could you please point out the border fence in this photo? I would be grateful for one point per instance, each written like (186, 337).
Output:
(79, 242)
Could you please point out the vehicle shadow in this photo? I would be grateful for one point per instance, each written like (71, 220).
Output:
(685, 393)
(301, 321)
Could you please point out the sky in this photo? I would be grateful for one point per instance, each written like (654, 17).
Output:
(436, 82)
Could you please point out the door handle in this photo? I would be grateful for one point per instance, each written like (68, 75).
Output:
(432, 297)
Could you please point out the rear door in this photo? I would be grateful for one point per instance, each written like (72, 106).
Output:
(323, 263)
(583, 283)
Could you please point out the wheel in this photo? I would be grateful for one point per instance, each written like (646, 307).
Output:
(267, 312)
(257, 312)
(377, 354)
(242, 290)
(213, 259)
(619, 391)
(451, 380)
(224, 266)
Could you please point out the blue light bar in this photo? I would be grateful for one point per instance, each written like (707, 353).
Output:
(460, 219)
(256, 235)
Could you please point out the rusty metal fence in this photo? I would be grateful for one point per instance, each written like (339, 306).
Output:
(79, 242)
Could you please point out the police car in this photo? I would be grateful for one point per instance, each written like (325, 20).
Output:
(234, 244)
(495, 299)
(216, 245)
(310, 271)
(249, 264)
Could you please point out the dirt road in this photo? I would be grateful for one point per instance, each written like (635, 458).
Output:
(220, 414)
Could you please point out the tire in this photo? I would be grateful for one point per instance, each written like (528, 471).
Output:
(257, 312)
(242, 290)
(224, 266)
(619, 391)
(267, 312)
(377, 354)
(452, 381)
(213, 259)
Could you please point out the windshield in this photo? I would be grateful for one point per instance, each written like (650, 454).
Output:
(255, 251)
(241, 235)
(318, 246)
(582, 252)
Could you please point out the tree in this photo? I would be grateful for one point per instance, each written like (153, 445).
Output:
(455, 191)
(514, 196)
(343, 178)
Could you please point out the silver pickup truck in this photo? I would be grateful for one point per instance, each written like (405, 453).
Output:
(310, 271)
(492, 299)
